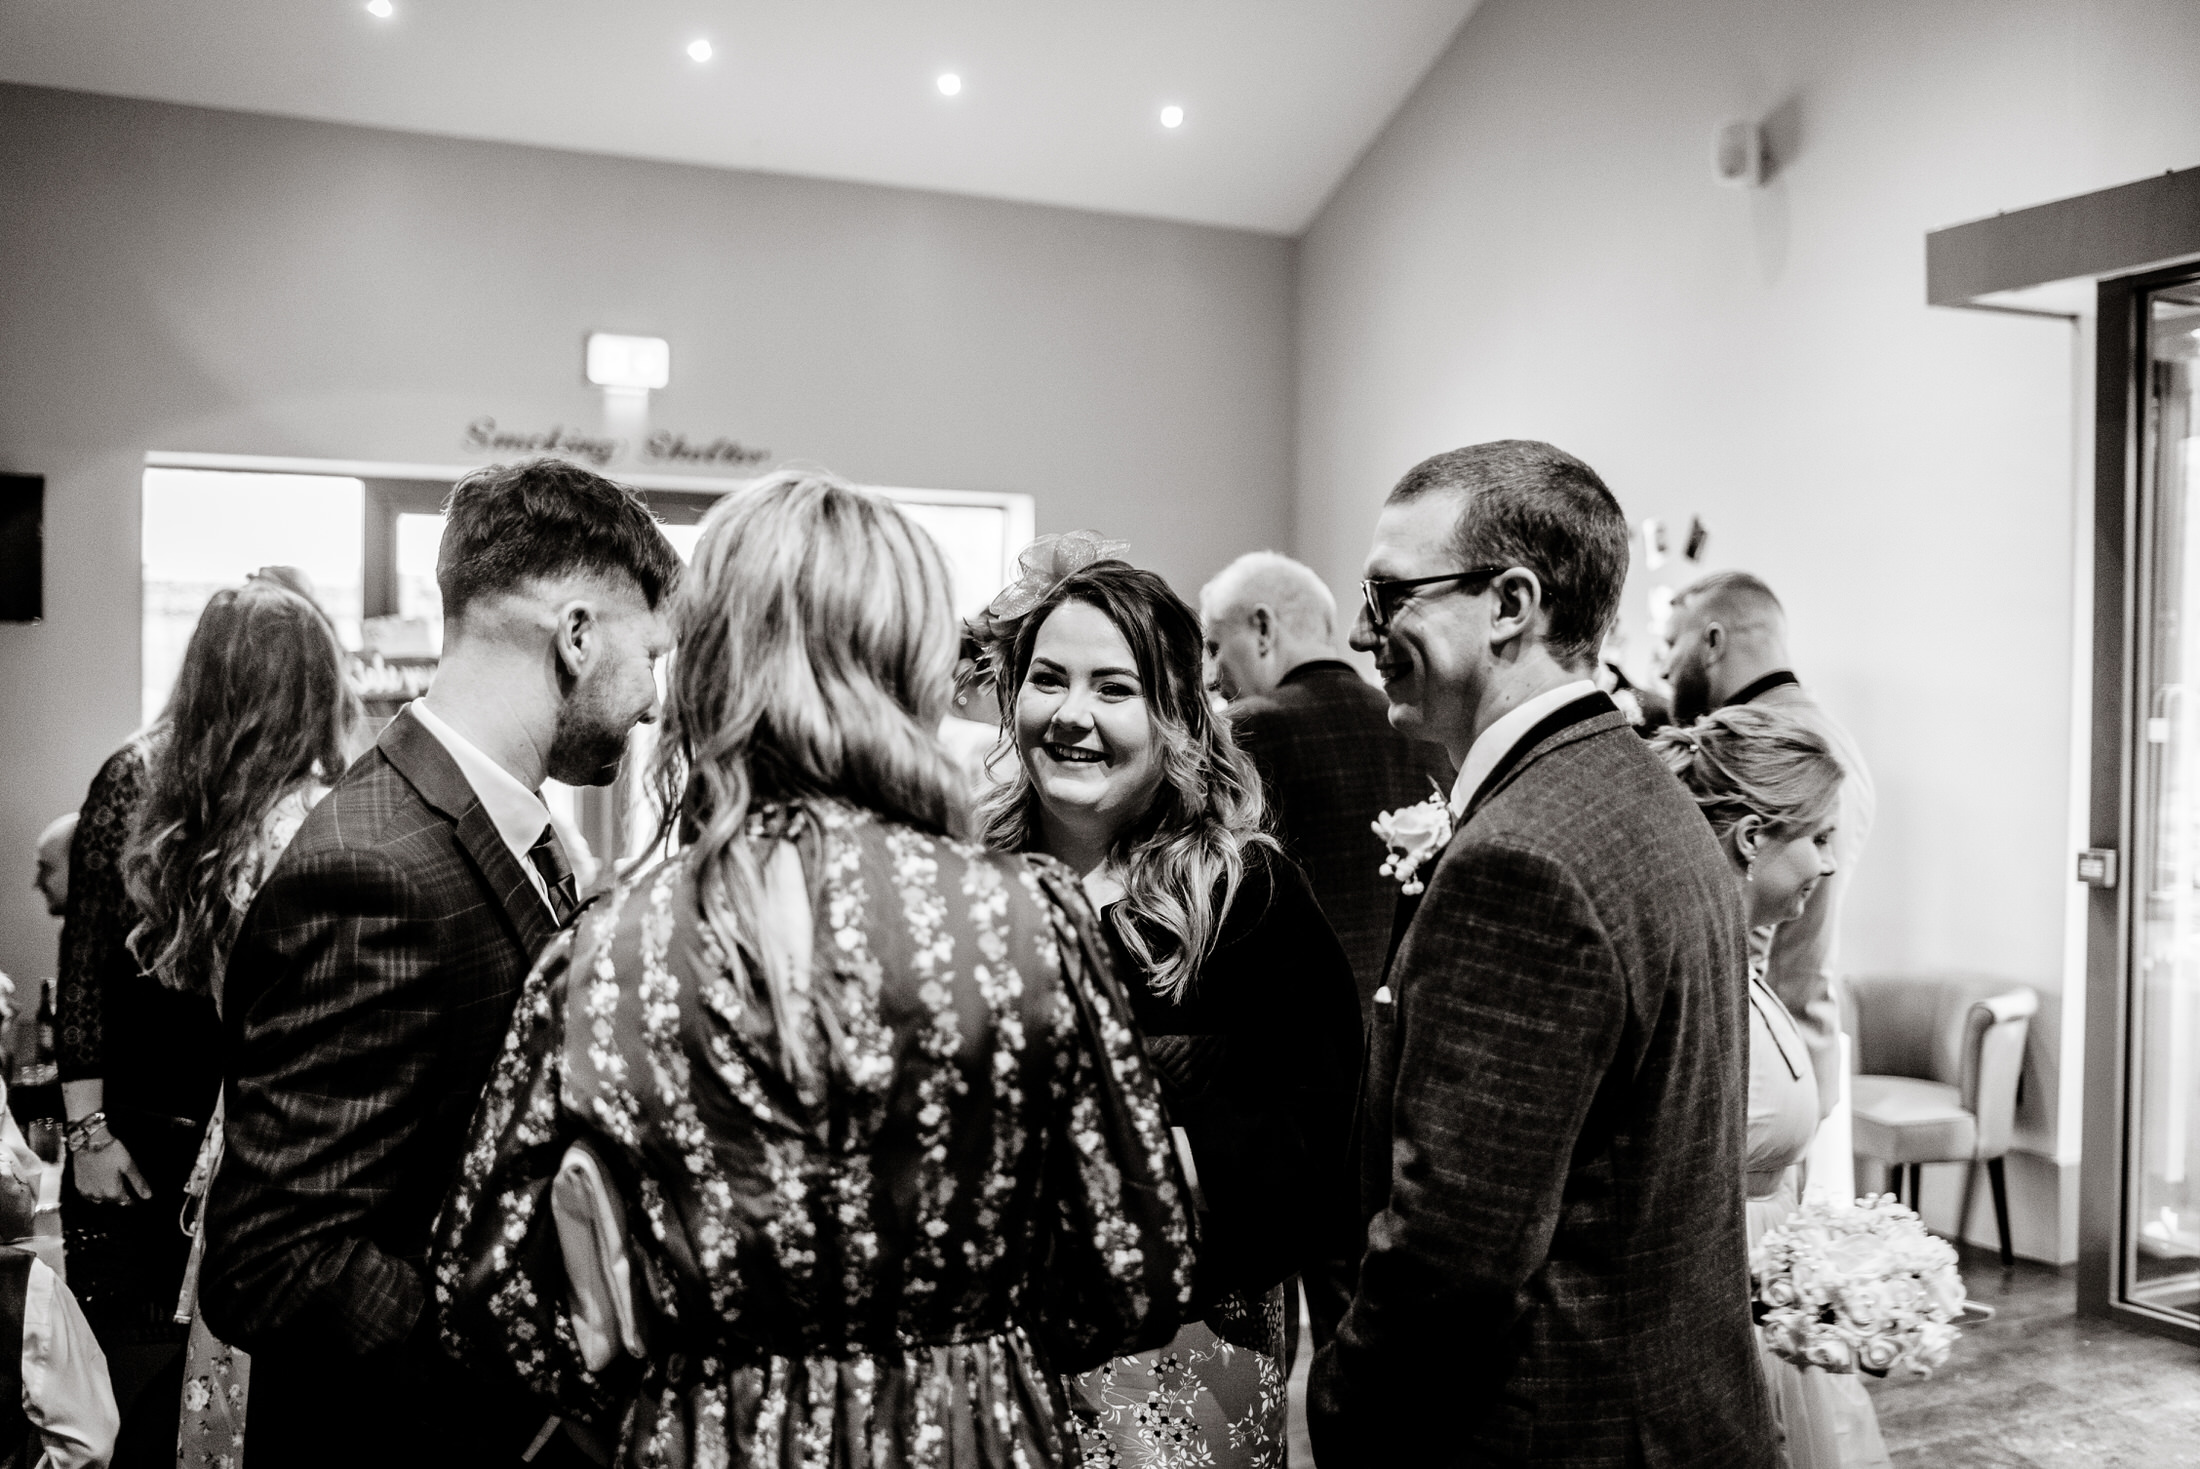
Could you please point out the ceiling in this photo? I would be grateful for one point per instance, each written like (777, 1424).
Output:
(1060, 104)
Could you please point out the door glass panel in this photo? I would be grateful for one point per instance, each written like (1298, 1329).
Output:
(2162, 1263)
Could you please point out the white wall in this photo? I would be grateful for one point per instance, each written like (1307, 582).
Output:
(180, 279)
(1535, 248)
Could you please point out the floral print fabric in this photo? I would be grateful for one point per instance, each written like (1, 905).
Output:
(881, 1257)
(1204, 1401)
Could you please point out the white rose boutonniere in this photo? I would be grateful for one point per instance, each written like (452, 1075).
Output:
(1414, 834)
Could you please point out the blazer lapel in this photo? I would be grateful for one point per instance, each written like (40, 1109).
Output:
(420, 757)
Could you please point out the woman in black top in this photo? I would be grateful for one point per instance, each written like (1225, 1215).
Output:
(1243, 992)
(176, 833)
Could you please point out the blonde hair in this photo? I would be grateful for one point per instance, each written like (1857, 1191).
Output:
(816, 643)
(1181, 865)
(1750, 760)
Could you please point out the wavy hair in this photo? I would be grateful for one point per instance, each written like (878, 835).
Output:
(1753, 760)
(261, 707)
(1181, 865)
(817, 642)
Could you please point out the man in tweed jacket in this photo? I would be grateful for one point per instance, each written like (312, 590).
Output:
(1553, 1109)
(373, 982)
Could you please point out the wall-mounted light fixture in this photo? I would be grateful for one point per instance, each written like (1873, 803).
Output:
(628, 364)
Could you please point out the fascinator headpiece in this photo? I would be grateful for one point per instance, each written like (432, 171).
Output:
(1041, 567)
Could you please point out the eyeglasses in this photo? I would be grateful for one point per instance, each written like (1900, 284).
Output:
(1385, 595)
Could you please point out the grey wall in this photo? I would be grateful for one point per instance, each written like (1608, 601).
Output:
(181, 279)
(1535, 247)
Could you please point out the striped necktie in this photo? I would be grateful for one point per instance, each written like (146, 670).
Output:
(549, 860)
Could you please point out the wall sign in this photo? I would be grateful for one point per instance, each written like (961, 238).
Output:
(662, 447)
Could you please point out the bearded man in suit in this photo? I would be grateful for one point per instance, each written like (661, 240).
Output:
(373, 982)
(1727, 644)
(1554, 1101)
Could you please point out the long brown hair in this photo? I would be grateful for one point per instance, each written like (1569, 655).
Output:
(261, 707)
(817, 643)
(1181, 865)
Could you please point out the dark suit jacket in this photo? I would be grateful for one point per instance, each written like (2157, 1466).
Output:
(1551, 1141)
(1330, 763)
(365, 1000)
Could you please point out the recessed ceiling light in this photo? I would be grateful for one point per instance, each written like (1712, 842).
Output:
(698, 50)
(381, 9)
(950, 84)
(1172, 117)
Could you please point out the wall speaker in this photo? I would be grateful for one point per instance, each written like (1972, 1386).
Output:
(22, 545)
(1738, 155)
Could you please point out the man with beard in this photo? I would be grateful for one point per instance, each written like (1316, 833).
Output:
(1727, 644)
(375, 976)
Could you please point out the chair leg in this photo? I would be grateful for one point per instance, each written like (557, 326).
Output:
(1894, 1181)
(1917, 1187)
(1963, 1214)
(2001, 1210)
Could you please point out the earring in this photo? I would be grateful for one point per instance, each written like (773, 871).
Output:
(1749, 870)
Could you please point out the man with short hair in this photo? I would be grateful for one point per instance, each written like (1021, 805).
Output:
(375, 976)
(1553, 1108)
(1329, 764)
(1329, 760)
(1727, 644)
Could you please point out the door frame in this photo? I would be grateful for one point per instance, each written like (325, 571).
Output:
(2122, 588)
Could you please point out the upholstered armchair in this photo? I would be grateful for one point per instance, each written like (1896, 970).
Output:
(1938, 1064)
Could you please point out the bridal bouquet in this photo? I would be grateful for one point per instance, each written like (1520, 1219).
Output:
(1857, 1287)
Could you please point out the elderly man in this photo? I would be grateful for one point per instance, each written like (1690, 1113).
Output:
(52, 881)
(1321, 735)
(1728, 645)
(1554, 1100)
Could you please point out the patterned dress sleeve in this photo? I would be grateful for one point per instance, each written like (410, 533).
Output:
(96, 925)
(500, 1279)
(1116, 1276)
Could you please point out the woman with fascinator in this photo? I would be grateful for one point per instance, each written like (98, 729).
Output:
(1240, 988)
(825, 1140)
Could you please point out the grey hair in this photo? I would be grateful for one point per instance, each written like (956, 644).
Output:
(1305, 608)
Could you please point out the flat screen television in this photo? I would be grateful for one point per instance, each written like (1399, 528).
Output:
(22, 537)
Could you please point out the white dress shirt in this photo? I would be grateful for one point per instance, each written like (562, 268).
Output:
(517, 812)
(1497, 741)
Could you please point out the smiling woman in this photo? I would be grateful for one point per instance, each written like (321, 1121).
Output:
(1243, 995)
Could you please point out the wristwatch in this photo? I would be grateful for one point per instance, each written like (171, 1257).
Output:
(88, 1134)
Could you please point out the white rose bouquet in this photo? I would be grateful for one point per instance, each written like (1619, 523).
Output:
(1414, 834)
(1857, 1288)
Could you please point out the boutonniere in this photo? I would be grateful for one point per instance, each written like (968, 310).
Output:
(1414, 834)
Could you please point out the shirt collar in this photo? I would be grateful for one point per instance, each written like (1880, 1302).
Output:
(1494, 742)
(517, 812)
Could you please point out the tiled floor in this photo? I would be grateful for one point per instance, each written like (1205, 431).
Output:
(2040, 1388)
(2035, 1388)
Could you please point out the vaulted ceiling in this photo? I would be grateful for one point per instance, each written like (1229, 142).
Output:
(1058, 103)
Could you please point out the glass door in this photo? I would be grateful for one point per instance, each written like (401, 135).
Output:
(2156, 1265)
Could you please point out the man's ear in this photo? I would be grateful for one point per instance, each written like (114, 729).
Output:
(573, 638)
(1516, 595)
(1714, 642)
(1264, 626)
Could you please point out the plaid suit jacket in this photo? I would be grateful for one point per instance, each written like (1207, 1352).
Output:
(1551, 1137)
(365, 1000)
(1330, 764)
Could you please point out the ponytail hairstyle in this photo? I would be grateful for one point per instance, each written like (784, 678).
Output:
(261, 707)
(816, 650)
(1750, 760)
(1181, 865)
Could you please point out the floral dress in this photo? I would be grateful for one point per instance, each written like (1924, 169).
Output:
(879, 1258)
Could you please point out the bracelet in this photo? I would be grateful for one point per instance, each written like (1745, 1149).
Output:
(88, 1134)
